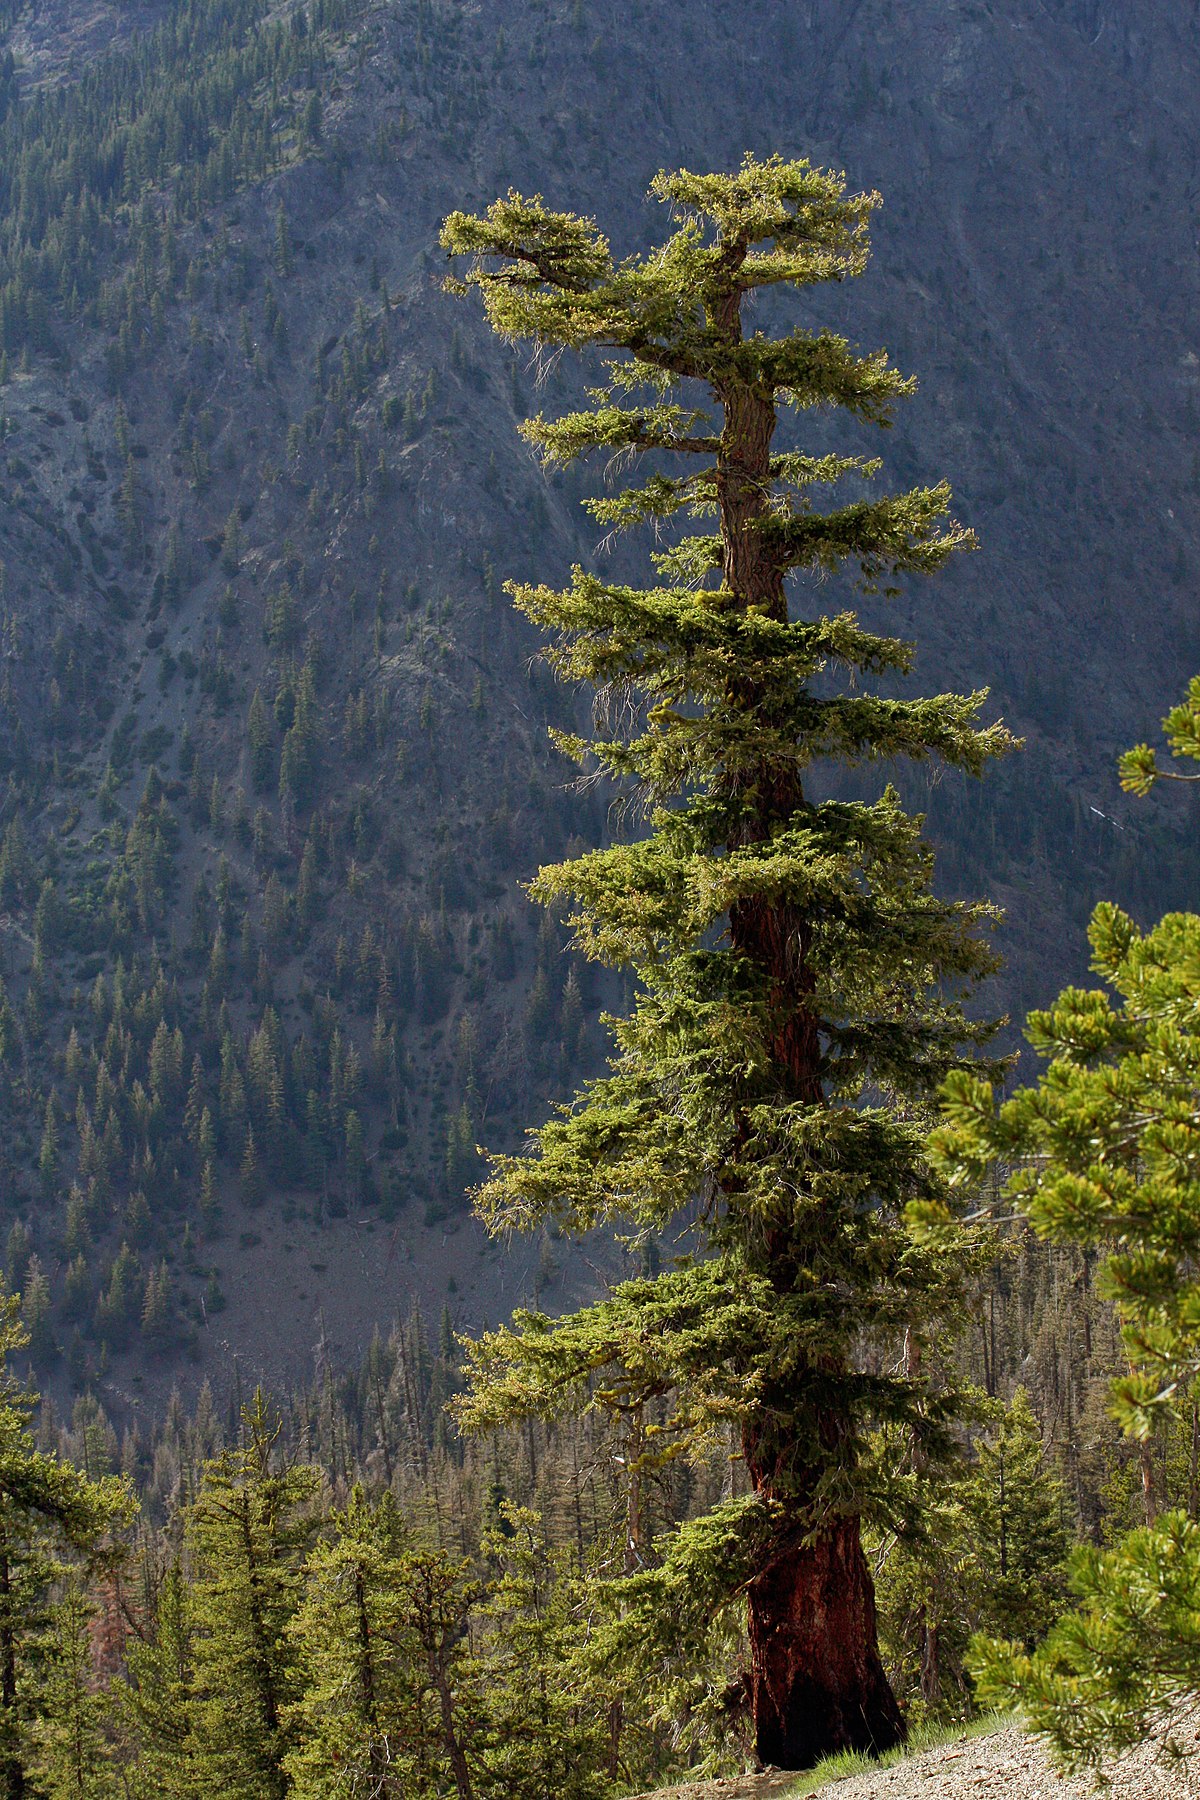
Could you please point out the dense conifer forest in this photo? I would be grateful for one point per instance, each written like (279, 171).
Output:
(272, 739)
(835, 1302)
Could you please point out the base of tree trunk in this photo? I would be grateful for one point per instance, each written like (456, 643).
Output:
(817, 1684)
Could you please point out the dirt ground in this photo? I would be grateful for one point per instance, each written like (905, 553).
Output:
(736, 1787)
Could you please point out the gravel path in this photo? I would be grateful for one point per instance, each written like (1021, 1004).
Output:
(1005, 1766)
(1011, 1766)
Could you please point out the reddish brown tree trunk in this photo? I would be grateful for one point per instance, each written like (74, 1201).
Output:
(816, 1680)
(817, 1685)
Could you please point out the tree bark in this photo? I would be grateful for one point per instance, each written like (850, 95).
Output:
(451, 1741)
(816, 1682)
(931, 1662)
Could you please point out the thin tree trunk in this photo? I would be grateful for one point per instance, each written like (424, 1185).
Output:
(450, 1738)
(931, 1663)
(261, 1673)
(633, 1557)
(1149, 1492)
(12, 1770)
(616, 1726)
(1146, 1468)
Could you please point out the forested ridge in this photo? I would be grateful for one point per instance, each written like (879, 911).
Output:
(274, 743)
(201, 1062)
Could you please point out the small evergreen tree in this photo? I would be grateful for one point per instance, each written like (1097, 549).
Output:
(1016, 1514)
(259, 735)
(391, 1696)
(55, 1527)
(361, 1708)
(547, 1727)
(247, 1532)
(987, 1552)
(73, 1752)
(795, 966)
(48, 1151)
(250, 1174)
(156, 1705)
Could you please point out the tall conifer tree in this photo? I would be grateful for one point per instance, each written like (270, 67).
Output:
(248, 1531)
(157, 1703)
(797, 975)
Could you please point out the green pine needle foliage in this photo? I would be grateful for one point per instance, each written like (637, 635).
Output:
(1105, 1149)
(1139, 767)
(59, 1531)
(799, 984)
(1117, 1670)
(1104, 1153)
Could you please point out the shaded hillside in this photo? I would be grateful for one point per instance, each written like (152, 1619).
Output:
(272, 741)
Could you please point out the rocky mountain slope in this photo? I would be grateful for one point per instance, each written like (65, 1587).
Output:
(272, 742)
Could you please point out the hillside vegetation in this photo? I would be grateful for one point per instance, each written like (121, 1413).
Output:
(817, 1375)
(273, 744)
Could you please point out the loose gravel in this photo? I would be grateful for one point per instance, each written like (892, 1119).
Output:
(1005, 1766)
(1012, 1766)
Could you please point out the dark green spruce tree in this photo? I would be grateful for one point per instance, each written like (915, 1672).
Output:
(799, 983)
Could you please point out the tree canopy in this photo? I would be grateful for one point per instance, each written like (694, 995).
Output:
(799, 984)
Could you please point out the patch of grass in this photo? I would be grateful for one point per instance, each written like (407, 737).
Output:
(931, 1736)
